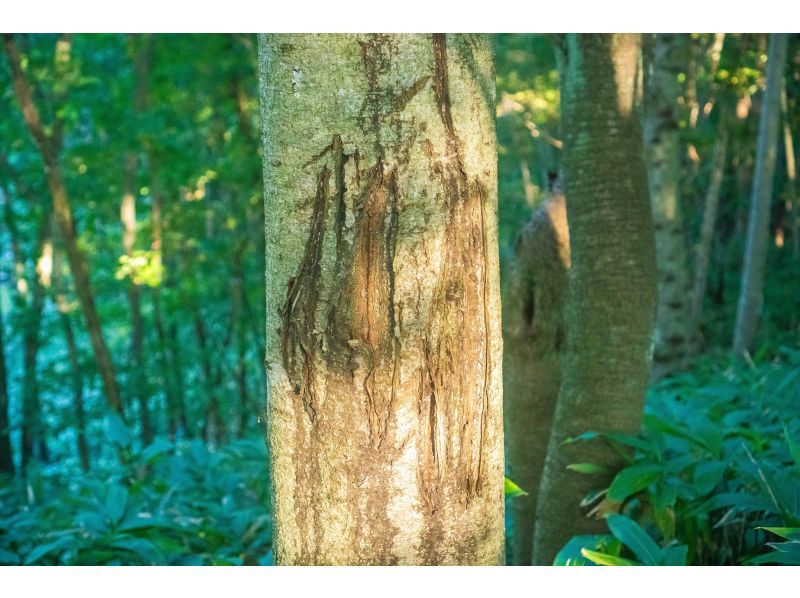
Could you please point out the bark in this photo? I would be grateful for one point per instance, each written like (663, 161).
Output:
(792, 207)
(49, 148)
(533, 338)
(611, 299)
(384, 347)
(751, 295)
(664, 149)
(703, 249)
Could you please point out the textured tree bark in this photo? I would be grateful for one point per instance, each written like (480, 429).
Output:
(703, 250)
(611, 299)
(49, 145)
(751, 295)
(384, 347)
(664, 149)
(533, 338)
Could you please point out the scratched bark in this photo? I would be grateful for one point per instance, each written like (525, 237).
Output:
(383, 314)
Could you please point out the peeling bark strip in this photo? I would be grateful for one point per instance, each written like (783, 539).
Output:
(384, 349)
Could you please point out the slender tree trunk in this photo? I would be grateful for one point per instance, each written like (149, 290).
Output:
(63, 308)
(792, 207)
(533, 338)
(664, 149)
(384, 347)
(751, 295)
(213, 426)
(703, 250)
(6, 454)
(138, 387)
(238, 290)
(611, 300)
(49, 147)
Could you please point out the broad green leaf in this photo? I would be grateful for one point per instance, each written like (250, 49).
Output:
(587, 468)
(116, 502)
(571, 556)
(790, 533)
(9, 558)
(117, 431)
(634, 537)
(794, 448)
(512, 490)
(599, 558)
(41, 551)
(632, 479)
(707, 474)
(674, 556)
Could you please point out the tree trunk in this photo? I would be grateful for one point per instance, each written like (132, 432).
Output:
(29, 299)
(751, 295)
(138, 386)
(533, 338)
(611, 301)
(663, 147)
(62, 306)
(49, 147)
(384, 347)
(703, 250)
(6, 455)
(792, 207)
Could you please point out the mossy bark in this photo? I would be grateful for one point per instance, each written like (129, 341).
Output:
(663, 147)
(383, 314)
(611, 298)
(533, 338)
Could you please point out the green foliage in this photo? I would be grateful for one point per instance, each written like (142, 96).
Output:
(714, 474)
(172, 504)
(512, 490)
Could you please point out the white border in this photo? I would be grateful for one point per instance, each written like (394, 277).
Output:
(402, 15)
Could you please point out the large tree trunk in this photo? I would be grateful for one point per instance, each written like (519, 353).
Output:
(49, 147)
(533, 336)
(663, 147)
(384, 347)
(751, 295)
(611, 300)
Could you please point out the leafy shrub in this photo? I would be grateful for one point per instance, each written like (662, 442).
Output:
(715, 474)
(172, 503)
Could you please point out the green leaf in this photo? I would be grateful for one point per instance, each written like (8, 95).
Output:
(571, 556)
(9, 558)
(790, 533)
(599, 558)
(633, 479)
(674, 556)
(587, 468)
(707, 474)
(634, 537)
(117, 431)
(794, 448)
(512, 490)
(116, 502)
(42, 551)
